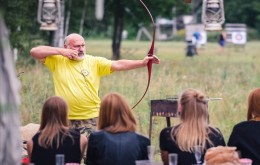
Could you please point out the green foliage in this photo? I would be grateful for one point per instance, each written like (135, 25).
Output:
(240, 11)
(21, 19)
(258, 24)
(253, 34)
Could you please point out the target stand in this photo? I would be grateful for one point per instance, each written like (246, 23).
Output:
(163, 108)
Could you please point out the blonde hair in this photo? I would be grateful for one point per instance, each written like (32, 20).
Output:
(194, 128)
(253, 106)
(54, 122)
(115, 114)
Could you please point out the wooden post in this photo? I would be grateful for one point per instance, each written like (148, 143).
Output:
(187, 1)
(10, 141)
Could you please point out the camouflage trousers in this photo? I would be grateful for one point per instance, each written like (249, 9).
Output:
(86, 127)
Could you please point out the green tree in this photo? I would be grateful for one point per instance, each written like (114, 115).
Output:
(21, 22)
(240, 11)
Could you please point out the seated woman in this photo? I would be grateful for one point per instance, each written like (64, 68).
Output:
(193, 130)
(246, 135)
(116, 142)
(55, 137)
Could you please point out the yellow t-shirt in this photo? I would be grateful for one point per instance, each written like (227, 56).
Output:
(78, 83)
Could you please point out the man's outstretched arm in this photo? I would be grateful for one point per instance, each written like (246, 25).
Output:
(121, 65)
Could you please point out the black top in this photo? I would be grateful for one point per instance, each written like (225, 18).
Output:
(187, 158)
(69, 148)
(124, 148)
(246, 137)
(221, 38)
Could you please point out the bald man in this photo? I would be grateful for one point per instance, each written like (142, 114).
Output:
(76, 76)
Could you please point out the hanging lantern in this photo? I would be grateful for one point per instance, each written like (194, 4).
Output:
(213, 14)
(49, 14)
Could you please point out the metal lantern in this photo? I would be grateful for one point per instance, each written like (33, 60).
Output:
(213, 14)
(49, 14)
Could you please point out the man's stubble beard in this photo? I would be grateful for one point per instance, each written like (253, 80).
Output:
(79, 58)
(81, 55)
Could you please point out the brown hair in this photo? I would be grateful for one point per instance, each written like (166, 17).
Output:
(54, 122)
(193, 129)
(253, 107)
(115, 114)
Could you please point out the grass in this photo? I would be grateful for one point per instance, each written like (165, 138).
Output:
(230, 75)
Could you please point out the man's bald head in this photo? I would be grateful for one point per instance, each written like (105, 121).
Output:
(70, 37)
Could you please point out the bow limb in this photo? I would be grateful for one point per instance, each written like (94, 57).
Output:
(150, 53)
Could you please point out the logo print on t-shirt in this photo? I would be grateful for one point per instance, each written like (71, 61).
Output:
(84, 72)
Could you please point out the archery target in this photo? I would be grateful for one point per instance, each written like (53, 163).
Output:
(203, 38)
(239, 37)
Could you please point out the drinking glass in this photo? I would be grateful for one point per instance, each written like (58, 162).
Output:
(198, 153)
(173, 159)
(59, 159)
(142, 162)
(245, 161)
(150, 152)
(147, 162)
